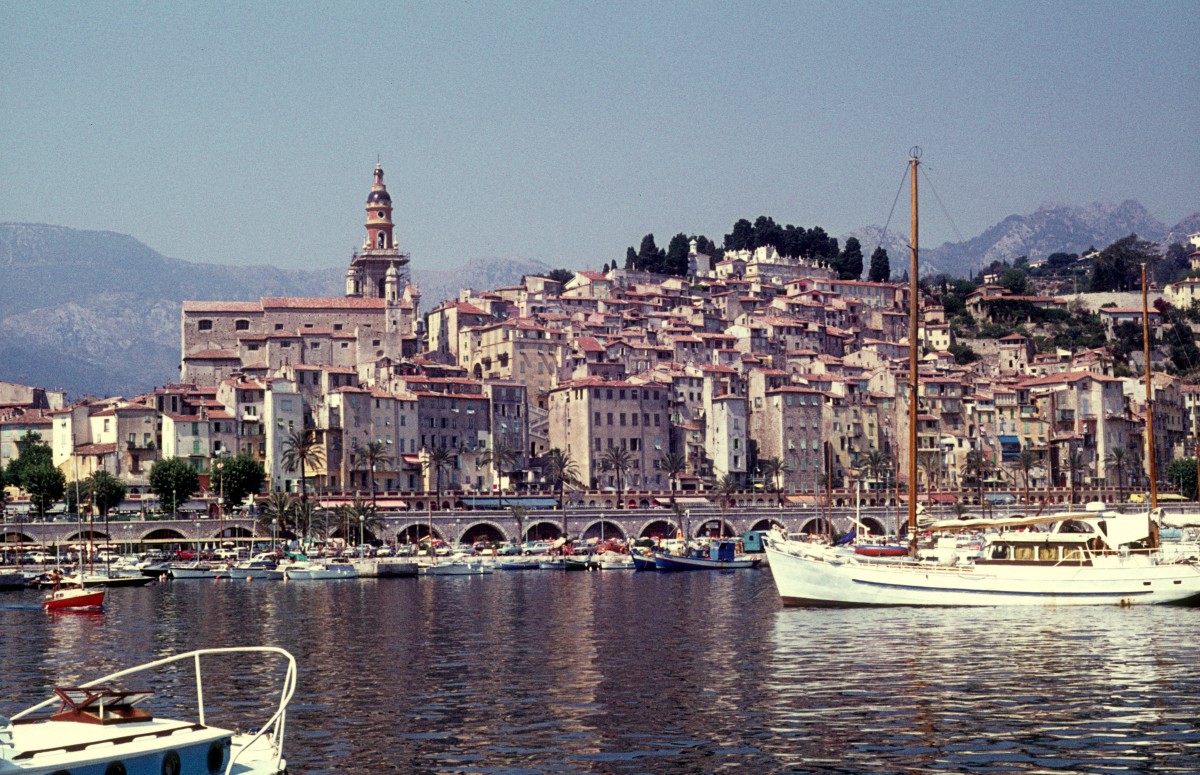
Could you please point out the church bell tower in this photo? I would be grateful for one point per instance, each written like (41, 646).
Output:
(368, 273)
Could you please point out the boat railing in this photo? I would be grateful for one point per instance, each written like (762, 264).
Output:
(275, 726)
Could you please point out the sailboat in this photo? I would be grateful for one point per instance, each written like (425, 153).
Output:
(1094, 557)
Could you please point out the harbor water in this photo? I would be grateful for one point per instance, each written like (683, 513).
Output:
(621, 672)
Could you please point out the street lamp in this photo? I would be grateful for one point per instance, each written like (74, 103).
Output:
(197, 541)
(274, 544)
(361, 520)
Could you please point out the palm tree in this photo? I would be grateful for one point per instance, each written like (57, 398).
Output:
(519, 513)
(976, 468)
(876, 463)
(360, 514)
(504, 457)
(440, 460)
(561, 470)
(280, 507)
(374, 454)
(724, 487)
(675, 466)
(305, 513)
(772, 469)
(1024, 464)
(618, 460)
(301, 450)
(1119, 459)
(1075, 464)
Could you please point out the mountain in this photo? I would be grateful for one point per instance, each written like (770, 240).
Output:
(1050, 229)
(95, 312)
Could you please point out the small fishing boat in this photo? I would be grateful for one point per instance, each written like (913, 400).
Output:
(552, 563)
(75, 598)
(12, 579)
(518, 563)
(642, 561)
(881, 550)
(458, 568)
(97, 728)
(577, 563)
(720, 556)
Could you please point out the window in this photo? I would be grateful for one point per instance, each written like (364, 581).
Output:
(204, 325)
(622, 419)
(241, 325)
(610, 418)
(596, 418)
(279, 326)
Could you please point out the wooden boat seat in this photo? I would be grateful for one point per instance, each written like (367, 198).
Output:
(100, 705)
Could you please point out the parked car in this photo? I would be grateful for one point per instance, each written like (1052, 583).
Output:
(536, 547)
(509, 550)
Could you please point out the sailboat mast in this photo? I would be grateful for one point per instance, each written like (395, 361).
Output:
(914, 294)
(1149, 395)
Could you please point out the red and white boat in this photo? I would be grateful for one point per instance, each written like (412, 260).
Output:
(62, 599)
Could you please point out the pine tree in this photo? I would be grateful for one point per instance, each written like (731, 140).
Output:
(631, 260)
(881, 271)
(851, 261)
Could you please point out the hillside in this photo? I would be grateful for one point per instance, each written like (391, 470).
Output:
(96, 312)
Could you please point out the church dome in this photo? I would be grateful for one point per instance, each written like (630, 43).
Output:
(379, 196)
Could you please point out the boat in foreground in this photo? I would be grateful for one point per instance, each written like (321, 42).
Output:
(1086, 558)
(99, 729)
(73, 599)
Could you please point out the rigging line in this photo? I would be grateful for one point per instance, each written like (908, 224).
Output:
(946, 213)
(883, 235)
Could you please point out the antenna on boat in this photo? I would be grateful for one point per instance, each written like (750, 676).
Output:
(914, 293)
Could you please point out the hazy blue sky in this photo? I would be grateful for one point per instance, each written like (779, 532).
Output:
(247, 133)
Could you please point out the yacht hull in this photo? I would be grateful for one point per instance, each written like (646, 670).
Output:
(821, 576)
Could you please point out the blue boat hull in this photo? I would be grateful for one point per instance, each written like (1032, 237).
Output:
(671, 562)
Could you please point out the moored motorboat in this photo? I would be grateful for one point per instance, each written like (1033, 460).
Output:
(98, 728)
(615, 561)
(320, 571)
(200, 570)
(73, 598)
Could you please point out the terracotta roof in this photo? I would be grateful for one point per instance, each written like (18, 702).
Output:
(322, 302)
(95, 449)
(222, 306)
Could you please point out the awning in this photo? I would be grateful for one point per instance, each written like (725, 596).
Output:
(383, 503)
(1010, 440)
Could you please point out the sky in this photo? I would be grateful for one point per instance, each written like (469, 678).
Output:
(564, 131)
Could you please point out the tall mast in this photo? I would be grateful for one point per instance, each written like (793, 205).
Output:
(914, 294)
(1149, 395)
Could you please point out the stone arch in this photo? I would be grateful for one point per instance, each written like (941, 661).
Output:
(644, 503)
(658, 528)
(483, 531)
(13, 537)
(85, 535)
(609, 529)
(164, 534)
(816, 526)
(415, 532)
(767, 524)
(705, 528)
(236, 531)
(542, 530)
(874, 526)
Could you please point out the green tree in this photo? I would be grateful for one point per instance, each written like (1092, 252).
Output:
(1118, 461)
(850, 265)
(505, 458)
(1024, 464)
(440, 460)
(173, 481)
(280, 507)
(649, 257)
(302, 450)
(1181, 472)
(773, 469)
(1182, 347)
(964, 354)
(518, 514)
(631, 259)
(45, 485)
(881, 270)
(1118, 266)
(107, 492)
(976, 467)
(369, 458)
(676, 261)
(674, 465)
(237, 478)
(724, 488)
(32, 452)
(618, 460)
(560, 470)
(563, 276)
(1075, 467)
(1015, 281)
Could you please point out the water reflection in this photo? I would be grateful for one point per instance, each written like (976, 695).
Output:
(633, 673)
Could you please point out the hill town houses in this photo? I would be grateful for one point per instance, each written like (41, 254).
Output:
(752, 357)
